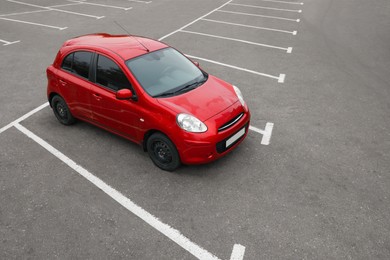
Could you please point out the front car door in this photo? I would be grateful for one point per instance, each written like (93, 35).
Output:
(120, 116)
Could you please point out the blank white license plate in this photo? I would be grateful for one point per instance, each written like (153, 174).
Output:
(235, 137)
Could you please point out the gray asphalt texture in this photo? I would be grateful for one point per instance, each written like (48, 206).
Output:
(319, 190)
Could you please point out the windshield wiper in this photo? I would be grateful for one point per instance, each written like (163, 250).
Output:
(189, 86)
(192, 85)
(165, 94)
(186, 88)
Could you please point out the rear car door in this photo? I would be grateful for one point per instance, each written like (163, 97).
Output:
(74, 84)
(121, 116)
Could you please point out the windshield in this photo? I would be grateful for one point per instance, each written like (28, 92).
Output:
(166, 72)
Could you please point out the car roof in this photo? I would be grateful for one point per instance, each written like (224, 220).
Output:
(126, 46)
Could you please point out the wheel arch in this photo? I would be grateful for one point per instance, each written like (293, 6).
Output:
(51, 95)
(147, 135)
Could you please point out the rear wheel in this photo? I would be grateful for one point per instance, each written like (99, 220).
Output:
(61, 111)
(163, 152)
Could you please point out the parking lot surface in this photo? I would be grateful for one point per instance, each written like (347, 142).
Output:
(311, 180)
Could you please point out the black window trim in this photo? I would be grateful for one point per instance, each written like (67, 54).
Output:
(74, 73)
(93, 70)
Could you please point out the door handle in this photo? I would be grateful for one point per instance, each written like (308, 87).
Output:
(63, 83)
(97, 97)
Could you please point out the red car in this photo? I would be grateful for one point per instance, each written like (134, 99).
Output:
(149, 93)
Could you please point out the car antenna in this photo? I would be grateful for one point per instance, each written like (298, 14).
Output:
(132, 36)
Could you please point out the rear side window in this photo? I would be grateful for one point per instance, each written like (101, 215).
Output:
(67, 63)
(78, 63)
(109, 74)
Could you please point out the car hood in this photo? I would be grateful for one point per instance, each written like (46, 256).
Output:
(214, 96)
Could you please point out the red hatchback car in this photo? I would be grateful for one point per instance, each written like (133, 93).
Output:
(149, 93)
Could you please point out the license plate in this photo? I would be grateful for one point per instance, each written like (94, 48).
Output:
(235, 137)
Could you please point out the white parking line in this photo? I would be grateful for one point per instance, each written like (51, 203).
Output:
(259, 15)
(63, 5)
(29, 12)
(267, 133)
(283, 2)
(54, 9)
(138, 1)
(166, 230)
(268, 8)
(7, 42)
(102, 5)
(194, 21)
(251, 26)
(238, 252)
(280, 78)
(24, 117)
(288, 49)
(38, 24)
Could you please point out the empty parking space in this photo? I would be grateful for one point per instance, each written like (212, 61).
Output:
(39, 13)
(47, 209)
(230, 36)
(257, 21)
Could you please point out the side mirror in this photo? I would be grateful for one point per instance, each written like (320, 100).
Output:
(196, 63)
(124, 94)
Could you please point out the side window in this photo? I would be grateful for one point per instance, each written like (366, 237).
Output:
(81, 63)
(110, 75)
(78, 63)
(67, 63)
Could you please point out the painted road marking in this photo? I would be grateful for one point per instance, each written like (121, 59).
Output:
(31, 23)
(280, 78)
(259, 15)
(63, 5)
(268, 8)
(29, 12)
(24, 117)
(288, 50)
(238, 252)
(283, 2)
(166, 230)
(194, 21)
(138, 1)
(251, 26)
(102, 5)
(54, 9)
(7, 42)
(267, 133)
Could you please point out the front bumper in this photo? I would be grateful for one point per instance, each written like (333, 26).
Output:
(213, 144)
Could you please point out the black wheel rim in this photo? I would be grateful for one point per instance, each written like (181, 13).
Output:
(162, 152)
(61, 110)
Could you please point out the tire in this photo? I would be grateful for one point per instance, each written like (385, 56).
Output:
(61, 111)
(163, 152)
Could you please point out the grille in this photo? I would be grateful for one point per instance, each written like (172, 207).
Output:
(230, 123)
(221, 146)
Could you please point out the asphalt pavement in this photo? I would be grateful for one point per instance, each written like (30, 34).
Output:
(311, 180)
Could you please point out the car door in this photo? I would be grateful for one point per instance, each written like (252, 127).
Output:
(121, 116)
(74, 84)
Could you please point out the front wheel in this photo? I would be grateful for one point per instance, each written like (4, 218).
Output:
(61, 111)
(163, 152)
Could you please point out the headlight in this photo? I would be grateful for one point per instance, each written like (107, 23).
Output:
(191, 123)
(239, 95)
